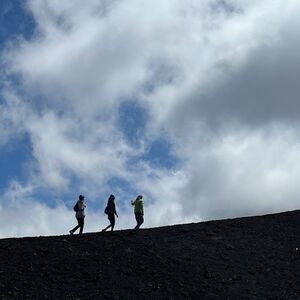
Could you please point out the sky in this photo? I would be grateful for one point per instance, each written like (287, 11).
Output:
(193, 104)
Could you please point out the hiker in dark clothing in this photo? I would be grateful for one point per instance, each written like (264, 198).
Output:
(138, 211)
(110, 210)
(80, 214)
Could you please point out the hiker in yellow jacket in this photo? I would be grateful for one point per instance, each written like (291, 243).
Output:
(138, 211)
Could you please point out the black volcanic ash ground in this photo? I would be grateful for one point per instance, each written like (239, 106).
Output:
(244, 258)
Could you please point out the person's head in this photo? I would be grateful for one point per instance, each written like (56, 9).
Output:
(111, 197)
(81, 198)
(139, 197)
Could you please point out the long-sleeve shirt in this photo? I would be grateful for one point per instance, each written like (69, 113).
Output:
(111, 208)
(138, 206)
(80, 213)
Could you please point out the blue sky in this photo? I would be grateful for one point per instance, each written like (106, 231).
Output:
(15, 21)
(192, 105)
(12, 159)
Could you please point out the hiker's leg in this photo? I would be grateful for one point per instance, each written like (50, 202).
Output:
(76, 227)
(112, 221)
(81, 224)
(137, 220)
(140, 220)
(106, 227)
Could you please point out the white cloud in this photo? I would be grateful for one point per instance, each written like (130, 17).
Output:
(243, 174)
(12, 116)
(218, 78)
(66, 145)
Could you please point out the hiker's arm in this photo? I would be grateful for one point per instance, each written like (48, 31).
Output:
(115, 212)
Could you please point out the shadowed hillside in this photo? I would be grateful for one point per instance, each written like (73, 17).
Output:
(244, 258)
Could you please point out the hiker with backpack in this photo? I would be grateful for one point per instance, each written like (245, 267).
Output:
(110, 210)
(138, 211)
(80, 214)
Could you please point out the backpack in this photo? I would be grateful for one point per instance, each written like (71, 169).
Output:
(106, 210)
(76, 207)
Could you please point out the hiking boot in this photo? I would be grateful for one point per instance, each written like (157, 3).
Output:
(71, 232)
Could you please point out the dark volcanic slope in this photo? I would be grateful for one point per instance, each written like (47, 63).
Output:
(245, 258)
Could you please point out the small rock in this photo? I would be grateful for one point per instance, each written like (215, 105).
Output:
(237, 277)
(180, 283)
(210, 234)
(251, 271)
(184, 293)
(229, 247)
(208, 275)
(224, 257)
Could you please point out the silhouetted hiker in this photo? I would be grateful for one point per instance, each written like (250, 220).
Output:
(110, 210)
(79, 208)
(138, 211)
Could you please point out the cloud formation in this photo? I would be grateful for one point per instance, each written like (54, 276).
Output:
(216, 80)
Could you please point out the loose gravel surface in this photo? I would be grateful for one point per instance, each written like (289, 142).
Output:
(243, 258)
